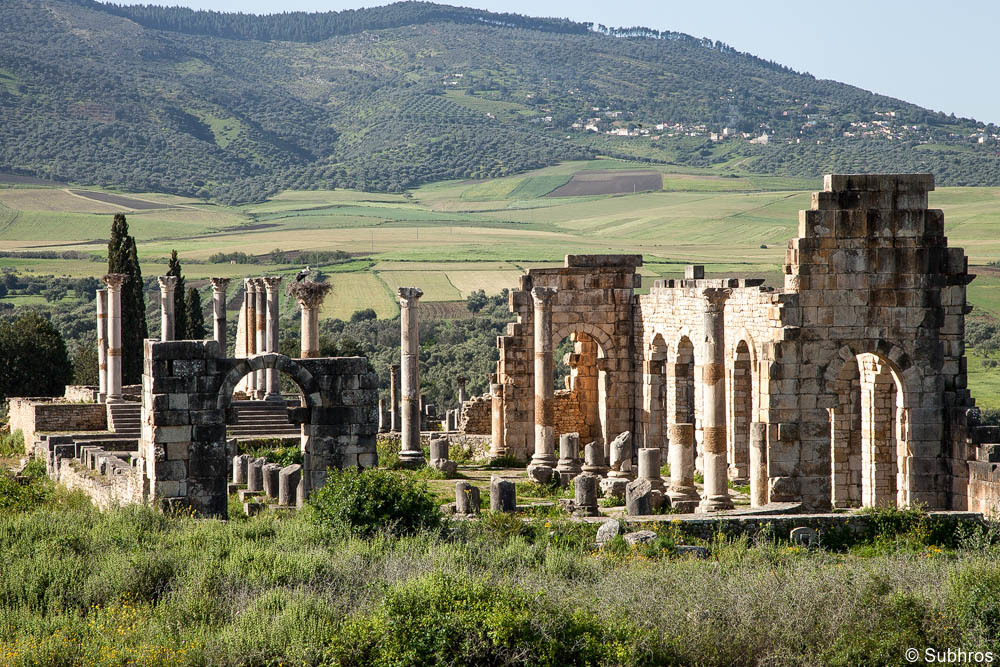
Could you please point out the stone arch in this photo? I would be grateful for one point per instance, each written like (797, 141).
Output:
(870, 436)
(280, 362)
(740, 406)
(588, 382)
(654, 395)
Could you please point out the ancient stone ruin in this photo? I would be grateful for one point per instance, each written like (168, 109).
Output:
(845, 387)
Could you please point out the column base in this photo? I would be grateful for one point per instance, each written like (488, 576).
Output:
(541, 472)
(114, 398)
(274, 398)
(412, 459)
(716, 504)
(683, 494)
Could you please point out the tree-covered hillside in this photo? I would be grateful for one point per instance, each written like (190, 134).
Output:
(237, 106)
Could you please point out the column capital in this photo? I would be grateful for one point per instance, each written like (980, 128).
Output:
(716, 297)
(250, 285)
(543, 296)
(310, 295)
(271, 283)
(461, 380)
(220, 284)
(114, 281)
(408, 296)
(167, 283)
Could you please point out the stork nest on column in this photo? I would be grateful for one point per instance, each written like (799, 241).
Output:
(309, 293)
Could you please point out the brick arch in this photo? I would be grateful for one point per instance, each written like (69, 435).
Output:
(280, 362)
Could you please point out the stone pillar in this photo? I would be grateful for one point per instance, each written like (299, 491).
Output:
(167, 286)
(410, 452)
(758, 464)
(249, 317)
(649, 467)
(271, 285)
(394, 398)
(219, 286)
(114, 282)
(461, 390)
(497, 448)
(102, 345)
(260, 332)
(683, 493)
(503, 495)
(544, 455)
(716, 492)
(310, 297)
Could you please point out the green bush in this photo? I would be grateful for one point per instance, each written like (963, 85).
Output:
(273, 451)
(367, 501)
(12, 444)
(443, 619)
(32, 491)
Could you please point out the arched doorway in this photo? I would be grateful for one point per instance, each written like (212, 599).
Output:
(680, 384)
(654, 388)
(740, 413)
(868, 430)
(580, 386)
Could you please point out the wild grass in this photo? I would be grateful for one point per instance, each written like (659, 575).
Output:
(135, 586)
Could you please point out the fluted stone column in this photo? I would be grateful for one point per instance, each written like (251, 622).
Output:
(167, 286)
(497, 447)
(394, 421)
(219, 286)
(716, 492)
(271, 284)
(683, 493)
(544, 455)
(461, 391)
(114, 282)
(102, 345)
(410, 452)
(249, 317)
(260, 334)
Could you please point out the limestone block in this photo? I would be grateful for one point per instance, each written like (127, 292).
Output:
(639, 537)
(638, 498)
(466, 498)
(271, 473)
(502, 495)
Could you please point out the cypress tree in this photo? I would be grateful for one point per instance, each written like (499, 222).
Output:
(181, 330)
(195, 316)
(122, 258)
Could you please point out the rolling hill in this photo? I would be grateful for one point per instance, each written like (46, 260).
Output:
(237, 107)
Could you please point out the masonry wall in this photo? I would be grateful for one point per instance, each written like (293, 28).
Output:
(476, 417)
(40, 415)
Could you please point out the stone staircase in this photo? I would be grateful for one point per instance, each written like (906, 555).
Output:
(125, 419)
(254, 419)
(262, 419)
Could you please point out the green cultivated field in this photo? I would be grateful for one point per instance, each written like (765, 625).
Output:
(455, 237)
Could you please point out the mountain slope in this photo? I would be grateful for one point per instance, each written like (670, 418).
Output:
(238, 106)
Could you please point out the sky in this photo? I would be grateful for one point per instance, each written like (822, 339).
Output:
(938, 55)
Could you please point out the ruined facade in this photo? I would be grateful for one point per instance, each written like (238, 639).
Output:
(852, 374)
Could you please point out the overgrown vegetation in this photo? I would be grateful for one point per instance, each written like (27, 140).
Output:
(134, 586)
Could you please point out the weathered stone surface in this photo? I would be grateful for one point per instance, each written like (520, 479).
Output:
(503, 496)
(466, 498)
(608, 531)
(585, 494)
(639, 537)
(621, 456)
(255, 475)
(804, 536)
(639, 498)
(289, 480)
(271, 472)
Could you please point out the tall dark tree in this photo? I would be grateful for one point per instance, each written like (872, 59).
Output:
(195, 316)
(181, 331)
(33, 358)
(122, 258)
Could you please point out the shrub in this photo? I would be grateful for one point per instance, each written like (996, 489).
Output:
(366, 501)
(442, 619)
(11, 444)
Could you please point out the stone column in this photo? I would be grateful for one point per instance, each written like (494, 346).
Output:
(683, 493)
(102, 345)
(167, 286)
(260, 332)
(394, 398)
(114, 282)
(758, 464)
(249, 317)
(410, 452)
(310, 296)
(271, 284)
(461, 391)
(544, 455)
(497, 447)
(716, 492)
(219, 286)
